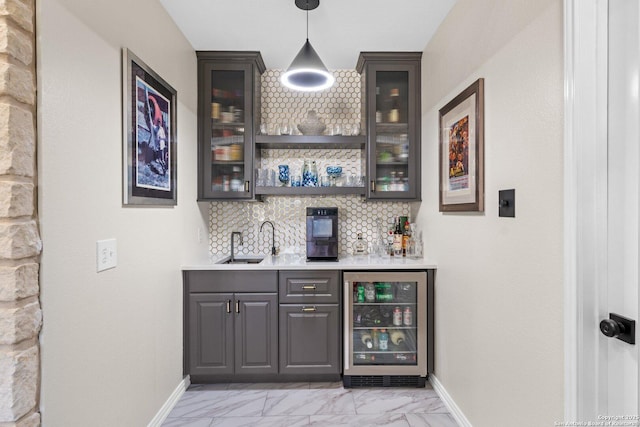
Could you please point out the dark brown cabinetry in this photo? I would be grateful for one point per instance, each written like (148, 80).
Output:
(228, 110)
(230, 324)
(310, 331)
(391, 111)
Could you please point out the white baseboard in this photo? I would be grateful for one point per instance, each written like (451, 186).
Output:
(170, 403)
(454, 410)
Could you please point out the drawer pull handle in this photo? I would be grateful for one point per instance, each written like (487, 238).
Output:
(309, 287)
(309, 309)
(228, 306)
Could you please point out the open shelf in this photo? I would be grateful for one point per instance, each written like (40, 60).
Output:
(308, 191)
(310, 141)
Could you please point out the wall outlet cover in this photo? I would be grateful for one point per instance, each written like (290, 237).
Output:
(106, 254)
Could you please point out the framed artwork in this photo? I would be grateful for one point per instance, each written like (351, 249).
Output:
(462, 151)
(149, 135)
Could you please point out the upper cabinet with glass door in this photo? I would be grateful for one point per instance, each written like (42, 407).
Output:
(391, 106)
(228, 110)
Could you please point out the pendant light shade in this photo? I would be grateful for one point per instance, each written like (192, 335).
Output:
(307, 72)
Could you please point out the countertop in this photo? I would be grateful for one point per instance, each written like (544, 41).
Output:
(298, 262)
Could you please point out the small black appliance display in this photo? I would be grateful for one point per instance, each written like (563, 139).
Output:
(322, 234)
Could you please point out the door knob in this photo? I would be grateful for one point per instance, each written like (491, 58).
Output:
(619, 327)
(611, 328)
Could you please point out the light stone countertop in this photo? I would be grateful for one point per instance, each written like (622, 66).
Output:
(298, 262)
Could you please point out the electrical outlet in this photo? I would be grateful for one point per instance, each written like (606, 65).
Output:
(106, 254)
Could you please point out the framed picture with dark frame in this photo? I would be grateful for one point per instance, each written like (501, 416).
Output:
(149, 135)
(462, 151)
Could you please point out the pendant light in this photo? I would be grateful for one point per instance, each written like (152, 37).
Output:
(307, 71)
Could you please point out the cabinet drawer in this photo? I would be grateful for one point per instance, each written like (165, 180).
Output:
(309, 286)
(230, 281)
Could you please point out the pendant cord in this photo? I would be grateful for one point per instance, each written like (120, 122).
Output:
(307, 19)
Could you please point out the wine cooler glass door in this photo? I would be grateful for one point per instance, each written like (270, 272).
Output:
(386, 323)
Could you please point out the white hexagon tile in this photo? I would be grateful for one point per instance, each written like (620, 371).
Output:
(341, 104)
(288, 214)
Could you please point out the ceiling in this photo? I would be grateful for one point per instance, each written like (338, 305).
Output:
(338, 29)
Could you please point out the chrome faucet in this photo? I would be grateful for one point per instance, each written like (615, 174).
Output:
(273, 236)
(233, 234)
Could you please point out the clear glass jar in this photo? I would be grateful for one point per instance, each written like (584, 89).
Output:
(309, 174)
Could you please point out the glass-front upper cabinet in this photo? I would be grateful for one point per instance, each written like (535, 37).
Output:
(391, 106)
(228, 109)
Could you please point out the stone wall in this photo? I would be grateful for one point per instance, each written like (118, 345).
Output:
(20, 314)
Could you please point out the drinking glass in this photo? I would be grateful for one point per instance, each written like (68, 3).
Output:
(296, 180)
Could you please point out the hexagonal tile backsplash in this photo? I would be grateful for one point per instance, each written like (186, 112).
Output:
(288, 214)
(338, 105)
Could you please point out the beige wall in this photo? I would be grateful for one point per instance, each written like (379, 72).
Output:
(111, 342)
(499, 336)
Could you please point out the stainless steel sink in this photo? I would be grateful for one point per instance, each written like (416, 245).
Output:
(241, 261)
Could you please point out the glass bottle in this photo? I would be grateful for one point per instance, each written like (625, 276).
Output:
(366, 339)
(360, 246)
(397, 239)
(383, 338)
(309, 174)
(376, 338)
(236, 180)
(394, 113)
(397, 337)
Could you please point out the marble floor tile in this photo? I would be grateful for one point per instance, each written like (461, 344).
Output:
(187, 422)
(386, 420)
(269, 386)
(309, 402)
(300, 404)
(315, 386)
(216, 403)
(381, 400)
(278, 421)
(431, 420)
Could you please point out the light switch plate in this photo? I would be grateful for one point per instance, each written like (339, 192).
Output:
(507, 203)
(106, 254)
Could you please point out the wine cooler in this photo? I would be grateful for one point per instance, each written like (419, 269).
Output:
(386, 333)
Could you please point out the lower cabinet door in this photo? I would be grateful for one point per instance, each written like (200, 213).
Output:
(256, 333)
(210, 334)
(309, 339)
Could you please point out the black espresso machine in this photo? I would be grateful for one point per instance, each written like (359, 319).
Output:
(322, 234)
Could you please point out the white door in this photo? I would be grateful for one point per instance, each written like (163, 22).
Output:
(619, 391)
(603, 216)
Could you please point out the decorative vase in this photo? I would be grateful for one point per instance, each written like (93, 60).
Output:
(312, 125)
(309, 174)
(283, 174)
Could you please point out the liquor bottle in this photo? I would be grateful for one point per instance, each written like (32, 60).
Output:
(376, 338)
(394, 113)
(397, 239)
(366, 339)
(384, 339)
(378, 112)
(406, 235)
(360, 246)
(397, 337)
(360, 292)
